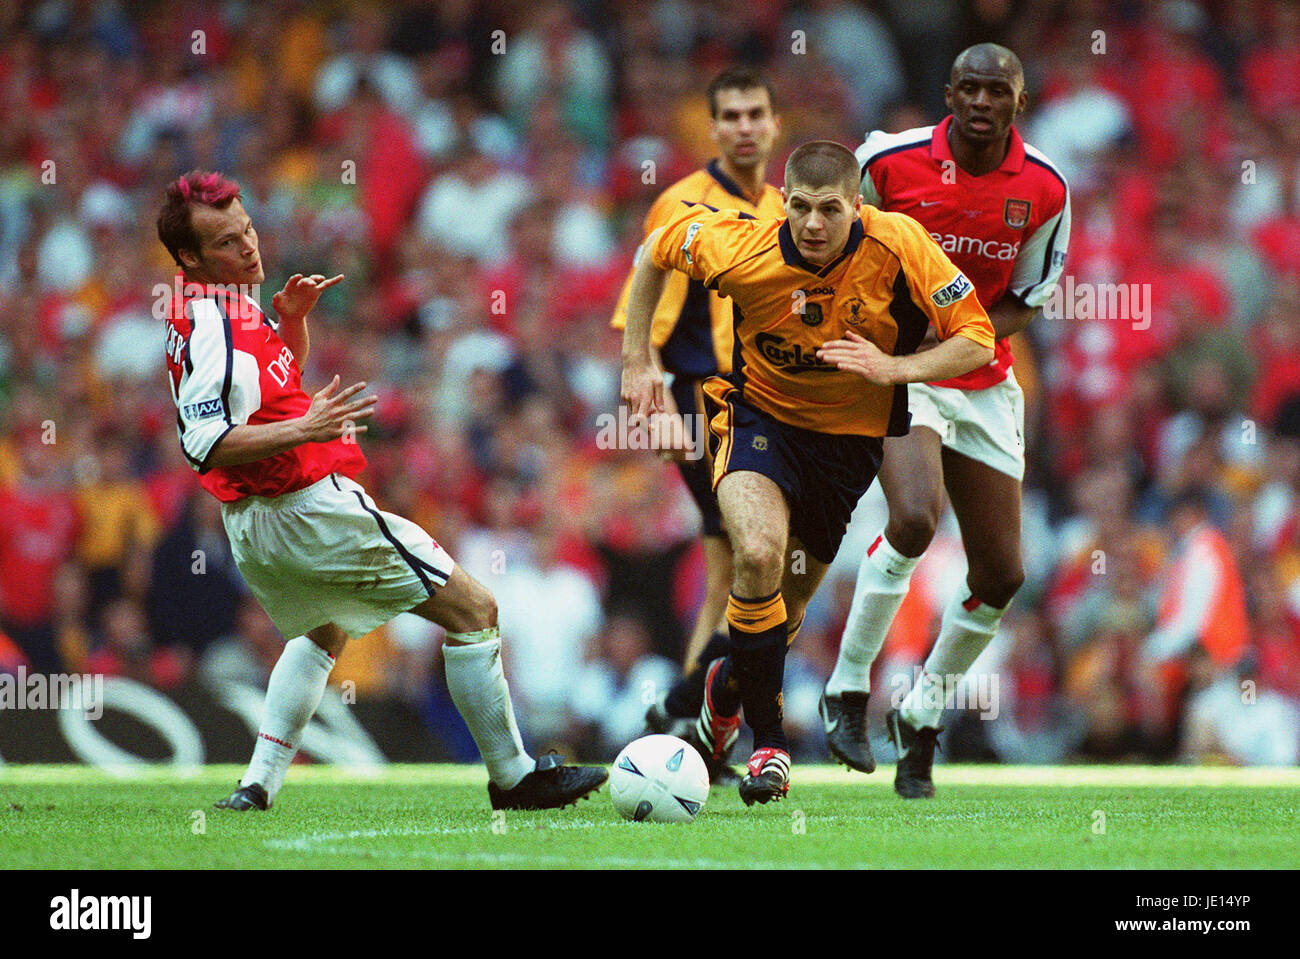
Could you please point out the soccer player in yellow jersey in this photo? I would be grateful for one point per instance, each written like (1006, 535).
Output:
(690, 337)
(831, 303)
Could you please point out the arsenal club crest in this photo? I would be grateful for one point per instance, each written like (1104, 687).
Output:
(1016, 214)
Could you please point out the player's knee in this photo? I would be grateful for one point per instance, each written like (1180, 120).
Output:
(759, 560)
(911, 529)
(758, 556)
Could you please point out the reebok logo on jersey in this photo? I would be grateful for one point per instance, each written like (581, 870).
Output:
(202, 410)
(958, 289)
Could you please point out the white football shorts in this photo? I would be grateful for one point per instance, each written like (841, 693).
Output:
(987, 425)
(326, 553)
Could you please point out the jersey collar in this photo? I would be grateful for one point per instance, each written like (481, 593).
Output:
(1013, 162)
(220, 292)
(727, 183)
(790, 253)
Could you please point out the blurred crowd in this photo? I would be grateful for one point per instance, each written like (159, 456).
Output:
(479, 172)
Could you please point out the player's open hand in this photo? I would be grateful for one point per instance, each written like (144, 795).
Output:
(301, 293)
(856, 354)
(333, 414)
(643, 388)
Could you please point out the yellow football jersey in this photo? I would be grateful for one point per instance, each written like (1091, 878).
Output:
(693, 326)
(889, 284)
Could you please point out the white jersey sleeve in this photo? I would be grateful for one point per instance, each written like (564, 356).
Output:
(878, 142)
(219, 387)
(1041, 259)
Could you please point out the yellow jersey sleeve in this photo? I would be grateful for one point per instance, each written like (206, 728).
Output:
(669, 307)
(943, 292)
(704, 243)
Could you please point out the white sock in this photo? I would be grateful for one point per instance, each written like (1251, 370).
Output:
(962, 637)
(882, 584)
(295, 690)
(477, 684)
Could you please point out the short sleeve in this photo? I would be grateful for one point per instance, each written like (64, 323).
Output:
(701, 242)
(943, 292)
(1041, 259)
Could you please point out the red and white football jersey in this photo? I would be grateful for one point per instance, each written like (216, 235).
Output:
(1007, 230)
(227, 366)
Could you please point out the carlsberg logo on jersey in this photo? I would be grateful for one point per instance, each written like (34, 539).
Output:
(958, 289)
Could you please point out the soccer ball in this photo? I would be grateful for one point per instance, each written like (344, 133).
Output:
(659, 779)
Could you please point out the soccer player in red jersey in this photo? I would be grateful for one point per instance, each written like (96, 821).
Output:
(316, 551)
(1001, 212)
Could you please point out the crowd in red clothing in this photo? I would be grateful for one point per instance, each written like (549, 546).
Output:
(479, 171)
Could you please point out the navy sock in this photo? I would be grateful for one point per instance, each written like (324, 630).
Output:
(759, 639)
(759, 668)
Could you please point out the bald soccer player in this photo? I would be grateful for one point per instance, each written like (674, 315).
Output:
(1001, 211)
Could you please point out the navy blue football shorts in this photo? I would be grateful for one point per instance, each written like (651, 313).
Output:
(823, 475)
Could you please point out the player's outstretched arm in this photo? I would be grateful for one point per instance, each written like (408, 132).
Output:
(643, 380)
(952, 357)
(330, 416)
(293, 303)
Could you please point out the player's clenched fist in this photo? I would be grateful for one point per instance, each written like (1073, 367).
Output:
(332, 414)
(643, 387)
(858, 355)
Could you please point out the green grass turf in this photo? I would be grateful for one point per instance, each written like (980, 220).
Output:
(438, 816)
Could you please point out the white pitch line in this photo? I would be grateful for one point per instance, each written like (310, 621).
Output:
(327, 842)
(585, 860)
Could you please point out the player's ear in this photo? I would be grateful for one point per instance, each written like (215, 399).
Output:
(189, 259)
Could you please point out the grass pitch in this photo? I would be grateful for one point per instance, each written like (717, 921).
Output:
(66, 817)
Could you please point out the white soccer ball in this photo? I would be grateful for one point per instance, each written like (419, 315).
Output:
(659, 779)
